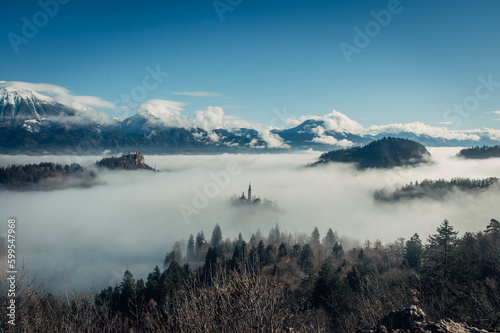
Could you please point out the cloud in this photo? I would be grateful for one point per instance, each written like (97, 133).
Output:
(335, 196)
(196, 93)
(420, 128)
(168, 113)
(327, 139)
(164, 112)
(445, 122)
(495, 112)
(334, 121)
(338, 122)
(273, 140)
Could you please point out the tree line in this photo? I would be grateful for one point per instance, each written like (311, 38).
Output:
(288, 282)
(480, 152)
(435, 189)
(32, 175)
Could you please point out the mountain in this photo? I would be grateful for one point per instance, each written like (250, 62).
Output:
(25, 107)
(385, 153)
(31, 122)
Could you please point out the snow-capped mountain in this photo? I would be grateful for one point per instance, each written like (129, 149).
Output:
(34, 122)
(21, 105)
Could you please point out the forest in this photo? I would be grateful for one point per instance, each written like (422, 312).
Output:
(435, 189)
(44, 176)
(384, 153)
(284, 283)
(480, 152)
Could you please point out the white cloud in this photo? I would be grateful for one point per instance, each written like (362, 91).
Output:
(334, 121)
(422, 129)
(213, 117)
(196, 93)
(495, 112)
(164, 112)
(338, 122)
(327, 139)
(209, 119)
(445, 122)
(272, 140)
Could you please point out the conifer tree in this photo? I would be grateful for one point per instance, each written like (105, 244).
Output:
(190, 251)
(216, 236)
(315, 236)
(413, 252)
(441, 244)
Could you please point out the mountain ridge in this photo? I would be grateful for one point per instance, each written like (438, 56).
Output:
(31, 122)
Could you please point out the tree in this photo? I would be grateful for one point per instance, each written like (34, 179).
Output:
(200, 244)
(329, 239)
(441, 244)
(315, 236)
(174, 255)
(216, 236)
(127, 291)
(190, 251)
(274, 234)
(282, 251)
(239, 256)
(493, 229)
(338, 250)
(307, 259)
(261, 253)
(413, 252)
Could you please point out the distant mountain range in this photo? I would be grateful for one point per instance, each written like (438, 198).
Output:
(31, 122)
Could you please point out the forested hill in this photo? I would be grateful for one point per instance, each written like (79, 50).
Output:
(132, 161)
(384, 153)
(45, 176)
(436, 189)
(480, 152)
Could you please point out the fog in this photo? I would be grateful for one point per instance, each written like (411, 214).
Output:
(81, 238)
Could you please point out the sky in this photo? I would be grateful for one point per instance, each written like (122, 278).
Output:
(378, 62)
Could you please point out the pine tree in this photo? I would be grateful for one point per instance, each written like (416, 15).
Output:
(190, 251)
(216, 236)
(329, 239)
(274, 234)
(315, 236)
(413, 252)
(200, 244)
(440, 245)
(307, 259)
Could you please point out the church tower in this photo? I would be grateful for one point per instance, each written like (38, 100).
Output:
(249, 192)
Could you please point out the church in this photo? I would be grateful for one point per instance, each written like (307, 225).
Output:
(250, 199)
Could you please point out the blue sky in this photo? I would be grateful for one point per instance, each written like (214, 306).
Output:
(270, 55)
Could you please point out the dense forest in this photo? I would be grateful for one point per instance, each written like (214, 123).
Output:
(44, 176)
(285, 283)
(436, 189)
(384, 153)
(480, 152)
(52, 176)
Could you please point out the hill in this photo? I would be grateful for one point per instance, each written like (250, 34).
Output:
(132, 161)
(480, 152)
(384, 153)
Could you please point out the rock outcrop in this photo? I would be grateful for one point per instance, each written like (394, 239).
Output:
(413, 320)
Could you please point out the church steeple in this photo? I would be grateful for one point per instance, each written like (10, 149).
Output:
(249, 192)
